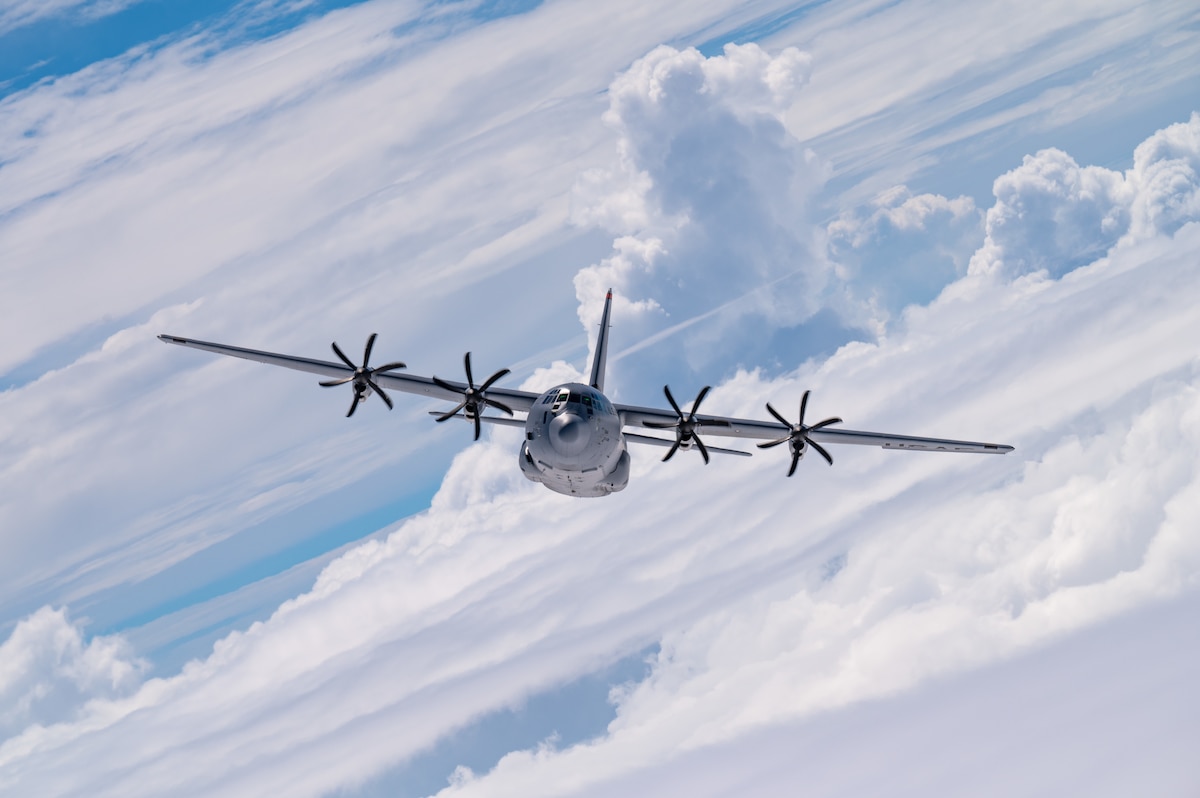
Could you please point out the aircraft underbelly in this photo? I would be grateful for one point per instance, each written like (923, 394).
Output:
(591, 483)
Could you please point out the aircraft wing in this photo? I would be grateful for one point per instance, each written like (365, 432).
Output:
(407, 383)
(632, 416)
(633, 437)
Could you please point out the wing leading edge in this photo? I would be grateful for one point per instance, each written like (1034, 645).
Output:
(633, 416)
(406, 383)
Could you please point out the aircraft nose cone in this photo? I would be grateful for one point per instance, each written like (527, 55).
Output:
(569, 434)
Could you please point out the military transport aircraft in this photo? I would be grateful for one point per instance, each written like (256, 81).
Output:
(575, 438)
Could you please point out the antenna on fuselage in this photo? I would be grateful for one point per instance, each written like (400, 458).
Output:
(601, 356)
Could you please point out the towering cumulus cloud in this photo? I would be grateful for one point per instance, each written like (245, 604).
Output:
(903, 249)
(708, 198)
(1052, 214)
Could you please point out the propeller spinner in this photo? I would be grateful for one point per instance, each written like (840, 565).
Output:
(797, 436)
(686, 427)
(363, 376)
(474, 400)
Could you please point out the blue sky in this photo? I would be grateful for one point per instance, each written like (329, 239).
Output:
(61, 43)
(963, 222)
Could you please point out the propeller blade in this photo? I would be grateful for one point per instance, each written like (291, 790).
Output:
(798, 433)
(387, 400)
(778, 416)
(671, 399)
(499, 406)
(696, 404)
(337, 351)
(452, 413)
(474, 399)
(367, 351)
(445, 385)
(362, 376)
(671, 452)
(686, 427)
(389, 367)
(488, 383)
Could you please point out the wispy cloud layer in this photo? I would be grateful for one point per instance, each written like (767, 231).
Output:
(403, 170)
(788, 599)
(18, 13)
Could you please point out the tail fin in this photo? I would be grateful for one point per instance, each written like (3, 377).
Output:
(601, 357)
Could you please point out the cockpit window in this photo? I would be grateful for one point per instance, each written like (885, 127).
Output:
(589, 399)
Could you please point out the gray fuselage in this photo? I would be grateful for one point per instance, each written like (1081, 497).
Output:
(573, 443)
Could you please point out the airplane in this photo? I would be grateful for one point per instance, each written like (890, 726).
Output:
(575, 437)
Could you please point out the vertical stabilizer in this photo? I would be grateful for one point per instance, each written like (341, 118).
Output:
(601, 357)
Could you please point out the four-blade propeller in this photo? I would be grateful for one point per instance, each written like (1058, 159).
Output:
(363, 376)
(686, 427)
(797, 436)
(474, 401)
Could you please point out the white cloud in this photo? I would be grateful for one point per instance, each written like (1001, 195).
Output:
(911, 89)
(948, 564)
(503, 589)
(1052, 215)
(1165, 180)
(708, 199)
(903, 249)
(1038, 725)
(280, 194)
(48, 672)
(342, 179)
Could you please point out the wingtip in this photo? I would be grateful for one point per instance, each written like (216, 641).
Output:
(171, 339)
